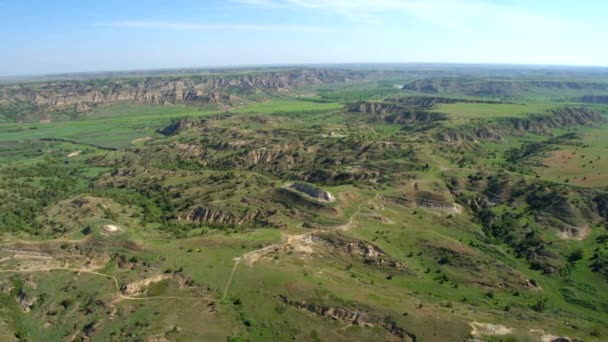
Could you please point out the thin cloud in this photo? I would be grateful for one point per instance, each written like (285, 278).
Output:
(452, 14)
(259, 3)
(185, 26)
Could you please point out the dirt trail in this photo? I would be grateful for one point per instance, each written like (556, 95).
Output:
(255, 255)
(140, 140)
(236, 264)
(251, 257)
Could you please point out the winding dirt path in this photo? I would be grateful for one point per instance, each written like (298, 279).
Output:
(253, 256)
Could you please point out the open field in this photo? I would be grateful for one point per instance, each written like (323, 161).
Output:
(288, 106)
(114, 126)
(458, 111)
(583, 165)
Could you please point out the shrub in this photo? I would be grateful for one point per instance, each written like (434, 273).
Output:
(575, 256)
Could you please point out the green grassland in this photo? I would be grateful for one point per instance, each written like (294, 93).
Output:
(192, 235)
(583, 164)
(361, 91)
(113, 126)
(288, 106)
(465, 111)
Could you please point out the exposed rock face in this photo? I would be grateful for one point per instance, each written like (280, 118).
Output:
(359, 318)
(554, 208)
(563, 117)
(369, 253)
(290, 199)
(355, 175)
(494, 88)
(376, 108)
(487, 329)
(284, 152)
(594, 99)
(213, 216)
(438, 206)
(454, 135)
(141, 286)
(481, 268)
(82, 96)
(538, 124)
(428, 200)
(282, 156)
(313, 192)
(394, 113)
(180, 125)
(432, 101)
(188, 150)
(569, 212)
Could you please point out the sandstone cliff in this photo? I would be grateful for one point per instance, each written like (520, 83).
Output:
(313, 191)
(432, 101)
(394, 113)
(594, 99)
(501, 88)
(355, 317)
(81, 96)
(538, 124)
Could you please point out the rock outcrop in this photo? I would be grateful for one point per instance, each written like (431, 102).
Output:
(180, 125)
(352, 317)
(594, 99)
(432, 101)
(499, 88)
(367, 252)
(215, 216)
(538, 124)
(394, 113)
(342, 177)
(437, 206)
(138, 287)
(83, 95)
(313, 192)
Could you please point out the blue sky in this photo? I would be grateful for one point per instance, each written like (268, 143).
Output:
(72, 36)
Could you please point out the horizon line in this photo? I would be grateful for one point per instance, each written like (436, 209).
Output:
(9, 77)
